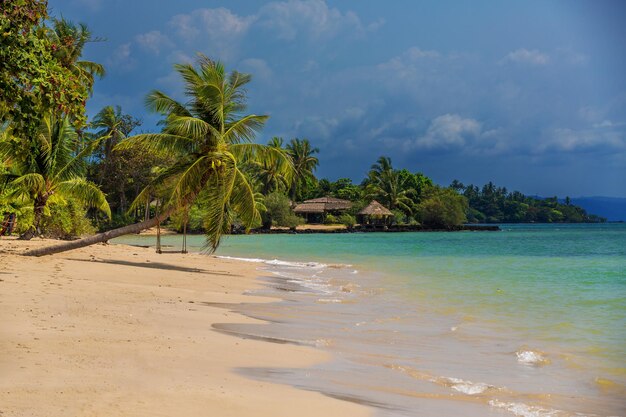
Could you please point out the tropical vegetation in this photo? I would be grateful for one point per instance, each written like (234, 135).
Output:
(65, 176)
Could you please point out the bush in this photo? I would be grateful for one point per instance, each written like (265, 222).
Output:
(66, 221)
(330, 219)
(443, 208)
(347, 220)
(279, 213)
(399, 217)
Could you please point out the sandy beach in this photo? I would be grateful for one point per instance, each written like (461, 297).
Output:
(114, 330)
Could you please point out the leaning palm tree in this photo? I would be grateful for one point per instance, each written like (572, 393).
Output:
(304, 164)
(46, 169)
(209, 139)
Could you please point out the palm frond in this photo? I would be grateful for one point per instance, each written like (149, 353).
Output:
(85, 192)
(266, 155)
(159, 144)
(32, 183)
(218, 217)
(243, 201)
(159, 102)
(189, 127)
(244, 129)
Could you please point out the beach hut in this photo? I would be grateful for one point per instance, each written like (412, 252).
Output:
(315, 210)
(375, 214)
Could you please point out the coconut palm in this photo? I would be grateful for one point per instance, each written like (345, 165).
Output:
(304, 164)
(269, 173)
(46, 169)
(209, 139)
(68, 40)
(110, 122)
(389, 187)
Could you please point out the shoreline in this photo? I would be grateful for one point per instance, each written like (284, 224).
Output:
(121, 330)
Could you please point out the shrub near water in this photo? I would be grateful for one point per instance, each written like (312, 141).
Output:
(279, 213)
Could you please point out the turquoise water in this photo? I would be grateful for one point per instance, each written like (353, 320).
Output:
(528, 311)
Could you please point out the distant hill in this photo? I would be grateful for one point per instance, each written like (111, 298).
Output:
(613, 208)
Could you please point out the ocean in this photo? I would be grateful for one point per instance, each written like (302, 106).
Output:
(529, 321)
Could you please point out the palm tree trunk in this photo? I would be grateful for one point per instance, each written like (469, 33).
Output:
(99, 238)
(38, 208)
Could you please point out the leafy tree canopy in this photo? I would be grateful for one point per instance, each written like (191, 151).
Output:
(32, 78)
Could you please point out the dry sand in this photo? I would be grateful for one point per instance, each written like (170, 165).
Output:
(114, 330)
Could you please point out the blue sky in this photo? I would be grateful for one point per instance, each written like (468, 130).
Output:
(529, 94)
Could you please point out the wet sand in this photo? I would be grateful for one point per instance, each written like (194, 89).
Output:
(120, 330)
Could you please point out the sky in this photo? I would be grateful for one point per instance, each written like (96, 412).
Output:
(529, 94)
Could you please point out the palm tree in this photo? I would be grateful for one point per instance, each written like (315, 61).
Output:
(304, 163)
(388, 186)
(269, 173)
(68, 41)
(111, 123)
(48, 170)
(209, 140)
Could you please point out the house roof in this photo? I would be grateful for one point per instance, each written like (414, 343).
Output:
(375, 209)
(321, 205)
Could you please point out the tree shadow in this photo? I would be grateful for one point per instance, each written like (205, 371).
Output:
(157, 265)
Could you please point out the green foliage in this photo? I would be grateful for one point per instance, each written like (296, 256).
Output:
(32, 78)
(278, 211)
(392, 188)
(51, 172)
(442, 208)
(209, 142)
(195, 218)
(492, 204)
(67, 221)
(304, 164)
(347, 220)
(330, 219)
(121, 174)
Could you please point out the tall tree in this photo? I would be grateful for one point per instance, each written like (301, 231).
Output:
(50, 170)
(118, 172)
(32, 79)
(389, 187)
(304, 164)
(68, 41)
(269, 173)
(209, 139)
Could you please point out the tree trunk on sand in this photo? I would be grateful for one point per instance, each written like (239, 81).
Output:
(99, 238)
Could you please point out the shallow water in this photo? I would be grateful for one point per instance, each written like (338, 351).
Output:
(529, 321)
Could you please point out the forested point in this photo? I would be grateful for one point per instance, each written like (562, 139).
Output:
(64, 175)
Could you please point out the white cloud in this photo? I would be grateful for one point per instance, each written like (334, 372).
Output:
(154, 41)
(289, 18)
(219, 29)
(604, 123)
(448, 131)
(121, 58)
(258, 67)
(180, 57)
(407, 64)
(525, 56)
(218, 23)
(583, 140)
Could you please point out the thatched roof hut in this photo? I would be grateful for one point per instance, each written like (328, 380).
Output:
(375, 209)
(374, 213)
(322, 205)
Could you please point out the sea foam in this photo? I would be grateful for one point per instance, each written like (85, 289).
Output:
(530, 357)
